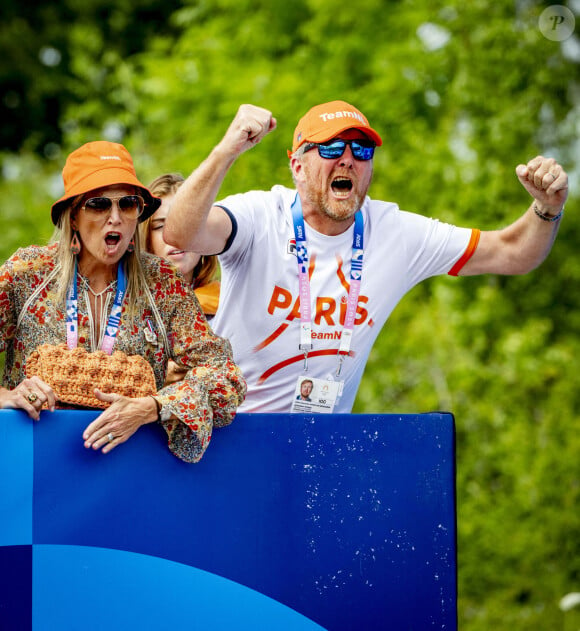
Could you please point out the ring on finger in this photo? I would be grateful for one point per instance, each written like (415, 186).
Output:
(32, 397)
(110, 437)
(553, 175)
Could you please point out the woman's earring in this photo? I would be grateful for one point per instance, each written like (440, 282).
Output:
(131, 246)
(75, 244)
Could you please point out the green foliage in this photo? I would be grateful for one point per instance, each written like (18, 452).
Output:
(461, 94)
(55, 55)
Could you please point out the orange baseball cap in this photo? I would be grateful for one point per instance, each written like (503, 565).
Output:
(95, 165)
(323, 122)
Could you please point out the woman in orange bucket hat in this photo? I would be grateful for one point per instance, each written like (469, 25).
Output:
(93, 294)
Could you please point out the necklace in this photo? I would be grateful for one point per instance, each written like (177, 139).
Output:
(102, 302)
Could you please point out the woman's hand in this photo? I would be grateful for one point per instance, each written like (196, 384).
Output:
(119, 421)
(29, 395)
(175, 372)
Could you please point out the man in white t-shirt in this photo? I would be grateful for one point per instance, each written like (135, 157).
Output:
(310, 275)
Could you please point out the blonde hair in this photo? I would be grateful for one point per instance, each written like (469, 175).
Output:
(163, 186)
(63, 234)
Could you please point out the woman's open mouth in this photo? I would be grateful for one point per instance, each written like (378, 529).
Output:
(112, 239)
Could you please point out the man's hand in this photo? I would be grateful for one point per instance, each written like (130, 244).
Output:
(546, 181)
(249, 126)
(193, 223)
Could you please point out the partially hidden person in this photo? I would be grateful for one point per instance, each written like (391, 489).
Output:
(199, 271)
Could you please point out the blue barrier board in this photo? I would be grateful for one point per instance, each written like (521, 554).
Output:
(290, 521)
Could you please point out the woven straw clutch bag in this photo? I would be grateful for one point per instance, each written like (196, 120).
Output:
(74, 374)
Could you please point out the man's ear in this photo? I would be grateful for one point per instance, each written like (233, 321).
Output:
(297, 168)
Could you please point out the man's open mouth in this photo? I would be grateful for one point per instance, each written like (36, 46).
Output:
(341, 186)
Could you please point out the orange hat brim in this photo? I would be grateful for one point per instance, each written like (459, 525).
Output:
(325, 135)
(107, 176)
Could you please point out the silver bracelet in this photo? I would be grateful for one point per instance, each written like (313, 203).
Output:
(547, 217)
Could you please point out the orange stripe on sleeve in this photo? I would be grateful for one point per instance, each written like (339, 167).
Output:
(469, 250)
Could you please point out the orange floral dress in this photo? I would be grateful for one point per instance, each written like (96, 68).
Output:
(213, 386)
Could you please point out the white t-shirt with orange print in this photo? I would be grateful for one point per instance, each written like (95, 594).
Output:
(259, 306)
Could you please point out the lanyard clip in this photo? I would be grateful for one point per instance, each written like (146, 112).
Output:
(340, 362)
(305, 348)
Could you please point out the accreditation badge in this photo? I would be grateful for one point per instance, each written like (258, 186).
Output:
(314, 395)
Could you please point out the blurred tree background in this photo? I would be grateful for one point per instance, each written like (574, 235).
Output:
(462, 93)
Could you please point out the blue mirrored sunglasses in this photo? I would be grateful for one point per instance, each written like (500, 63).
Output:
(361, 149)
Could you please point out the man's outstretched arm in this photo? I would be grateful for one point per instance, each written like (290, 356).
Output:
(193, 222)
(523, 245)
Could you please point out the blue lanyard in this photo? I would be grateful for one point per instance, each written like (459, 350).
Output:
(72, 331)
(304, 283)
